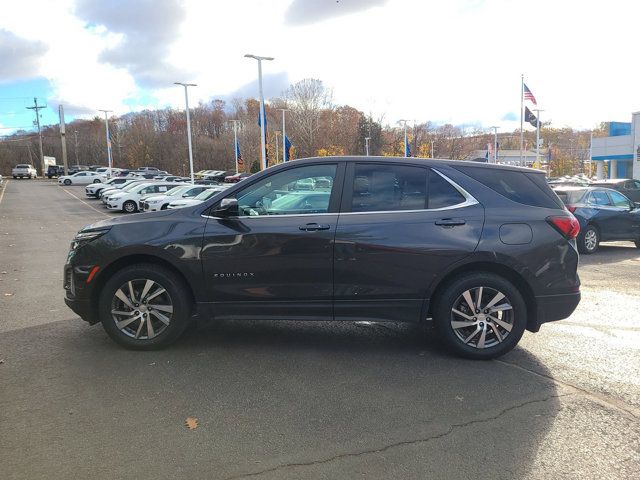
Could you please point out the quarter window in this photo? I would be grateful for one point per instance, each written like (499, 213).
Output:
(441, 193)
(378, 187)
(295, 191)
(599, 197)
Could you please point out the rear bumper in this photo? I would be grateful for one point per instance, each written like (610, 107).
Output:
(554, 307)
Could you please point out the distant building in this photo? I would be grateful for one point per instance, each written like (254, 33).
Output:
(510, 156)
(621, 150)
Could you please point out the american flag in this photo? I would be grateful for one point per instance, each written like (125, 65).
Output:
(528, 95)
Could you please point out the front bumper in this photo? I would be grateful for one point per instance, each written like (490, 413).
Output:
(551, 308)
(77, 296)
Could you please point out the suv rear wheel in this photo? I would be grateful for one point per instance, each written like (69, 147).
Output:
(480, 315)
(145, 307)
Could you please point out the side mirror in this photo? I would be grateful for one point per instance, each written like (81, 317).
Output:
(228, 208)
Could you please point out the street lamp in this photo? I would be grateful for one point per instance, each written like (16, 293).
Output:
(106, 124)
(186, 101)
(284, 135)
(495, 144)
(366, 144)
(401, 122)
(262, 125)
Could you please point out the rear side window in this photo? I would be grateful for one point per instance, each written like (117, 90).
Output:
(441, 193)
(570, 196)
(378, 187)
(521, 187)
(598, 197)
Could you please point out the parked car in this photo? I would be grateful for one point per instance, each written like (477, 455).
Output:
(201, 197)
(627, 186)
(161, 202)
(127, 201)
(484, 250)
(24, 170)
(129, 184)
(81, 178)
(148, 169)
(604, 215)
(55, 171)
(236, 177)
(217, 175)
(95, 189)
(77, 168)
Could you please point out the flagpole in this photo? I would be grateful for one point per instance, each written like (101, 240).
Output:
(537, 110)
(284, 136)
(403, 121)
(521, 116)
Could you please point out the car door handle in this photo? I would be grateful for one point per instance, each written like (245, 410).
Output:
(314, 227)
(450, 222)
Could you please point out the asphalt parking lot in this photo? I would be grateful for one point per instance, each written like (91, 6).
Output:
(303, 400)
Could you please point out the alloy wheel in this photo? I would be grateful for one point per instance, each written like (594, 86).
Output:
(142, 309)
(590, 239)
(482, 317)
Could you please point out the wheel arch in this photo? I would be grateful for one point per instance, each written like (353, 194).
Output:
(498, 269)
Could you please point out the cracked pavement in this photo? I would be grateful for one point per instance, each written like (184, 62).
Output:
(280, 400)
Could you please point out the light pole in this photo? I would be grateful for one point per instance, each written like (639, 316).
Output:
(235, 141)
(495, 144)
(537, 110)
(432, 155)
(75, 134)
(106, 126)
(262, 125)
(276, 133)
(401, 122)
(284, 135)
(186, 102)
(366, 144)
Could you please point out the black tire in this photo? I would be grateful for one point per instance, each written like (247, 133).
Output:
(448, 298)
(164, 207)
(586, 238)
(67, 182)
(179, 297)
(129, 207)
(96, 181)
(14, 177)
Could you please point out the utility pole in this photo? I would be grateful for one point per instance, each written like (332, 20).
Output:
(37, 109)
(75, 134)
(106, 125)
(432, 155)
(284, 135)
(63, 138)
(186, 101)
(366, 145)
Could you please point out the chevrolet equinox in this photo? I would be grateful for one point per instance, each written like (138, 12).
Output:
(485, 251)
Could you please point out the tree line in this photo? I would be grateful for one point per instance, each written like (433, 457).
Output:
(315, 125)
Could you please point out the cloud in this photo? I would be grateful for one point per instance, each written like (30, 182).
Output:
(273, 85)
(509, 117)
(148, 29)
(19, 57)
(305, 12)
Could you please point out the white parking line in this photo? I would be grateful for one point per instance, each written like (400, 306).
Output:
(4, 189)
(92, 208)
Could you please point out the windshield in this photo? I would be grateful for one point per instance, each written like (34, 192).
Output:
(132, 186)
(205, 195)
(176, 190)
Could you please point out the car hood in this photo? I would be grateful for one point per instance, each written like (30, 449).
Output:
(138, 217)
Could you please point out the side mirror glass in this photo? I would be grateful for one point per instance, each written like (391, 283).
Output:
(228, 208)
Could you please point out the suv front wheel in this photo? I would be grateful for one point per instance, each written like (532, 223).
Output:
(145, 307)
(480, 315)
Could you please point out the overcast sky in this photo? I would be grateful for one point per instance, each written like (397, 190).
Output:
(455, 61)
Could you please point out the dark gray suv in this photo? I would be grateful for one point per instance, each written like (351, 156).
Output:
(484, 251)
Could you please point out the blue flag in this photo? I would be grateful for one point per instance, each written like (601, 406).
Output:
(407, 150)
(240, 161)
(266, 135)
(287, 149)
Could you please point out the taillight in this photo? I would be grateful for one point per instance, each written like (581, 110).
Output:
(568, 226)
(571, 208)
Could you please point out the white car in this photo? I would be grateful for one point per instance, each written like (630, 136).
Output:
(127, 200)
(81, 178)
(206, 195)
(24, 170)
(110, 190)
(94, 189)
(154, 203)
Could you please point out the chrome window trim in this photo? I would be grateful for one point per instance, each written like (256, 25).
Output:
(469, 200)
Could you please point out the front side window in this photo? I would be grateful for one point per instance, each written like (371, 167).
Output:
(300, 190)
(619, 200)
(379, 188)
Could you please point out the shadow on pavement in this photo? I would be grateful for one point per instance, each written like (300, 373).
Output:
(611, 253)
(290, 400)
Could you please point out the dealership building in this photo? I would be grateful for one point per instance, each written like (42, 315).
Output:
(620, 150)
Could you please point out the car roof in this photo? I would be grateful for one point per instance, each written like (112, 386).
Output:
(433, 162)
(610, 181)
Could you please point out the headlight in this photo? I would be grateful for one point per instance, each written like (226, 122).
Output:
(82, 238)
(154, 201)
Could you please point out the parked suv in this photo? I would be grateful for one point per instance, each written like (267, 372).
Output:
(24, 171)
(485, 251)
(55, 171)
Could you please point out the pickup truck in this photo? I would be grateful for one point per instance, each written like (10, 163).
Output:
(24, 171)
